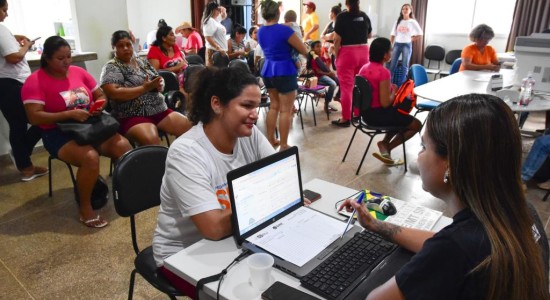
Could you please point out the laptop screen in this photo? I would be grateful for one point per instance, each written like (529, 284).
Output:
(265, 190)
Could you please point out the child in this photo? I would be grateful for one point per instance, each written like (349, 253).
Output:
(290, 21)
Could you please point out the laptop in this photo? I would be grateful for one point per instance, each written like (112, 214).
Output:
(269, 216)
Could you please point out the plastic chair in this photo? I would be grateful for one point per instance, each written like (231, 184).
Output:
(240, 64)
(313, 93)
(450, 58)
(420, 77)
(434, 53)
(194, 59)
(202, 53)
(219, 60)
(136, 187)
(189, 76)
(362, 97)
(455, 66)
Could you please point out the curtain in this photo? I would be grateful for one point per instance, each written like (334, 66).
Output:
(197, 7)
(420, 8)
(530, 16)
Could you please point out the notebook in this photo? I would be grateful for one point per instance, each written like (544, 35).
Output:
(269, 216)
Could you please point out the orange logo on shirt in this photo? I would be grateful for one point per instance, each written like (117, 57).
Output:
(223, 198)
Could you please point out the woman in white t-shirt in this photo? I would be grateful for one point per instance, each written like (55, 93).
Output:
(404, 31)
(213, 31)
(194, 196)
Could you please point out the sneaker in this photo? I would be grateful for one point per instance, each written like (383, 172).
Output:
(36, 172)
(544, 185)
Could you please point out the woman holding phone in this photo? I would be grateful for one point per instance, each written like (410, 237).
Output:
(14, 70)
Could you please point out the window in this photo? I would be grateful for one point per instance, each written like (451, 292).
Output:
(460, 17)
(35, 18)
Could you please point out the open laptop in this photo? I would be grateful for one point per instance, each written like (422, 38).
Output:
(269, 216)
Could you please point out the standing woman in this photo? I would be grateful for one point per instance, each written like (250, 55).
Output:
(328, 33)
(279, 70)
(14, 70)
(351, 32)
(213, 31)
(165, 55)
(133, 88)
(59, 92)
(404, 31)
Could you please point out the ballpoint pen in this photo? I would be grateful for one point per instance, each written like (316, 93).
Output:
(359, 200)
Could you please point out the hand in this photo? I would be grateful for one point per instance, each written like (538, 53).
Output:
(307, 202)
(365, 218)
(223, 53)
(181, 66)
(149, 85)
(79, 115)
(496, 67)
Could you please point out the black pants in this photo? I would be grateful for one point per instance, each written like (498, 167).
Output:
(22, 138)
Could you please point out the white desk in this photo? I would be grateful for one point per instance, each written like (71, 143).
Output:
(206, 258)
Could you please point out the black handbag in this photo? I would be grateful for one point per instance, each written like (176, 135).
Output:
(93, 131)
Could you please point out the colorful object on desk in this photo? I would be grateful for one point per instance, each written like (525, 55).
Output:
(379, 203)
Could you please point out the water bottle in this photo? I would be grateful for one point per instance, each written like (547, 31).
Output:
(526, 93)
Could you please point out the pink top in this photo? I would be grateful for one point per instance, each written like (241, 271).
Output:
(165, 62)
(194, 41)
(375, 73)
(58, 95)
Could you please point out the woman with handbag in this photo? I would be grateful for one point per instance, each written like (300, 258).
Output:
(382, 112)
(133, 88)
(60, 92)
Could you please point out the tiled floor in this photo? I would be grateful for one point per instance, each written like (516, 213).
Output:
(45, 253)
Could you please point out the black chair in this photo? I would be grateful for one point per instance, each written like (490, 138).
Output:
(173, 97)
(362, 97)
(250, 61)
(450, 58)
(194, 59)
(189, 76)
(202, 53)
(434, 53)
(240, 64)
(136, 187)
(219, 60)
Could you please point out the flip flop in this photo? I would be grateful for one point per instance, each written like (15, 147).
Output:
(384, 157)
(396, 162)
(96, 222)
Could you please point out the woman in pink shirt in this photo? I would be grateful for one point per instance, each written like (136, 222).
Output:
(165, 55)
(60, 92)
(382, 112)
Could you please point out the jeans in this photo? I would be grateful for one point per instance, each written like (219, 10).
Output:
(398, 49)
(332, 83)
(22, 138)
(536, 157)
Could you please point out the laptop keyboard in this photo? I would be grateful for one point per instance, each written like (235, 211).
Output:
(339, 274)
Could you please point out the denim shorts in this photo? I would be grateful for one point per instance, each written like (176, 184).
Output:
(283, 84)
(53, 139)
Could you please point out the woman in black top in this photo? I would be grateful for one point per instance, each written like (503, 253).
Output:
(351, 31)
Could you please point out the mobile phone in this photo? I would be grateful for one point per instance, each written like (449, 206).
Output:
(281, 291)
(312, 196)
(35, 39)
(96, 105)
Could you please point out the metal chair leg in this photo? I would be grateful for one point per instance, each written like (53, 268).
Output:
(546, 196)
(131, 288)
(364, 155)
(50, 176)
(349, 145)
(404, 152)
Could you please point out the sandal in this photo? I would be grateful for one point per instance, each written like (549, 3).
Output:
(96, 222)
(384, 157)
(341, 123)
(274, 143)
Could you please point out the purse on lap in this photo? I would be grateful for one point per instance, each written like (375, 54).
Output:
(93, 131)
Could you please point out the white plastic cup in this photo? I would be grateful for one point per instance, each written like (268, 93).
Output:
(260, 265)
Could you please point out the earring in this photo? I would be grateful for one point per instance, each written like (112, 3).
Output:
(446, 177)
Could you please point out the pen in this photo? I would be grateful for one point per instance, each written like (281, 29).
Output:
(359, 200)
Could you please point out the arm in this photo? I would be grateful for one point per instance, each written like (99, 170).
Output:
(324, 33)
(297, 44)
(120, 93)
(386, 93)
(392, 39)
(387, 291)
(233, 54)
(337, 43)
(213, 224)
(18, 56)
(312, 30)
(408, 238)
(469, 65)
(37, 115)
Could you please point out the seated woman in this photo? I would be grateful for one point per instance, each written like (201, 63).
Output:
(479, 55)
(165, 55)
(194, 40)
(321, 64)
(382, 112)
(58, 92)
(535, 159)
(492, 250)
(133, 87)
(194, 196)
(235, 45)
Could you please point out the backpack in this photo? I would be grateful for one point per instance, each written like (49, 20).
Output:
(405, 99)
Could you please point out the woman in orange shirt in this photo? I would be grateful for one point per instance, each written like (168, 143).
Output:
(479, 55)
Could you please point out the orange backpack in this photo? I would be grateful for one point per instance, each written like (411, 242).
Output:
(405, 99)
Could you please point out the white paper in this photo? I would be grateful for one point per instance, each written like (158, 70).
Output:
(299, 236)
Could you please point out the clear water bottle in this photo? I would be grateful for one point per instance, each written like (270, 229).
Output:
(526, 93)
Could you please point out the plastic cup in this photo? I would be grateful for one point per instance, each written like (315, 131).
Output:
(260, 265)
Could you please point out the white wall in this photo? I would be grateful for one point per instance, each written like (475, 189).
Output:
(143, 15)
